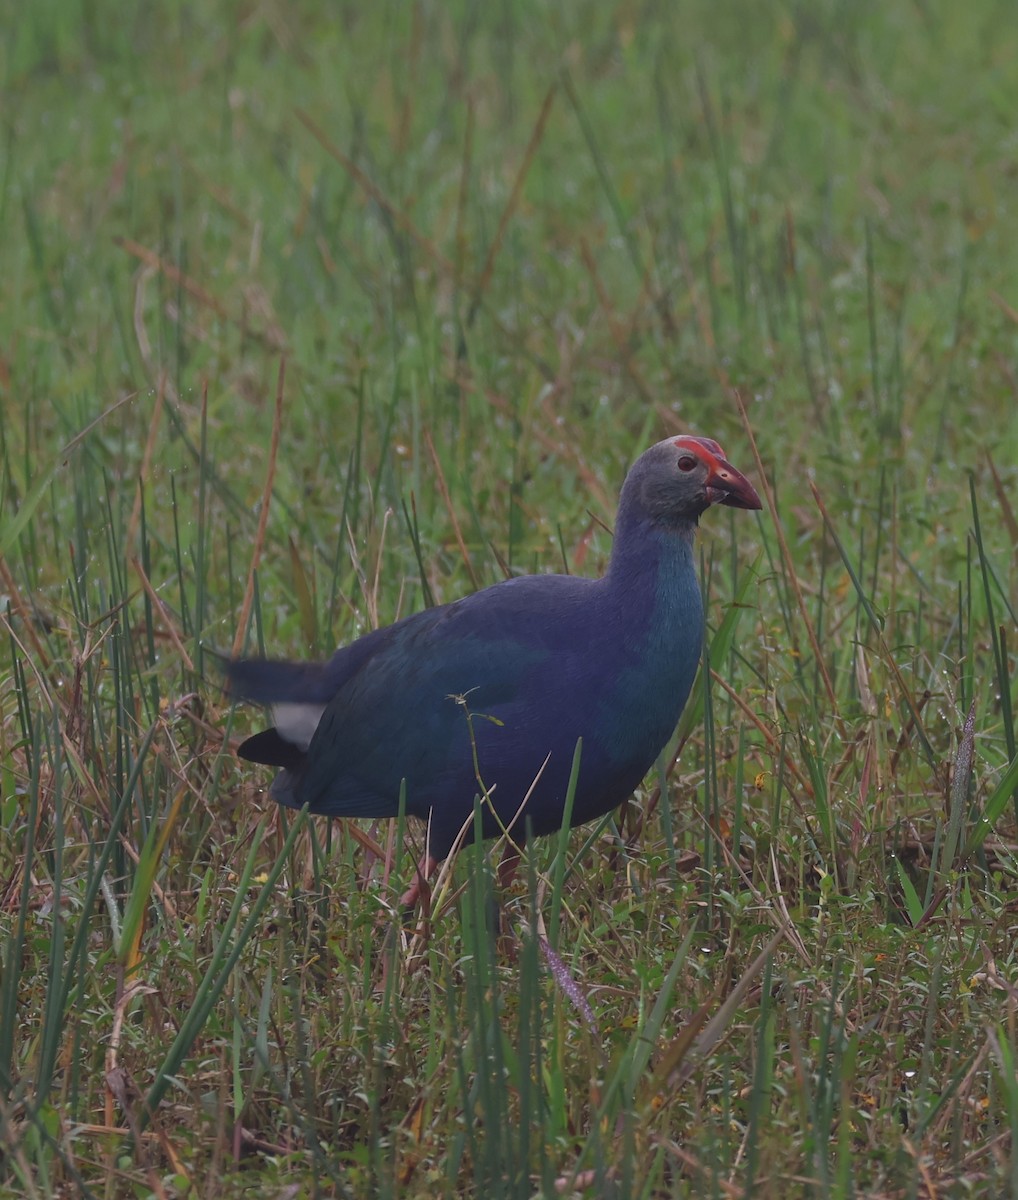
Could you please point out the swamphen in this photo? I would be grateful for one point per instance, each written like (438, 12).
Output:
(497, 688)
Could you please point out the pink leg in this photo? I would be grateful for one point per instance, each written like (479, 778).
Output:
(417, 893)
(507, 867)
(423, 872)
(506, 939)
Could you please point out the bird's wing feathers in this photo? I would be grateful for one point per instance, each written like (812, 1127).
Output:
(413, 709)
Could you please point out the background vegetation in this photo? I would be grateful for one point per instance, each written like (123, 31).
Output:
(502, 248)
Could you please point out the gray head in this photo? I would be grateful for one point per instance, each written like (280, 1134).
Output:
(679, 478)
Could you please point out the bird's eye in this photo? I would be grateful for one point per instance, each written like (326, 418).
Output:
(687, 462)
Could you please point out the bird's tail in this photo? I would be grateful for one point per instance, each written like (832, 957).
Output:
(264, 681)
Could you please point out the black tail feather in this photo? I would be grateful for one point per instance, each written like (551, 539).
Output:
(274, 751)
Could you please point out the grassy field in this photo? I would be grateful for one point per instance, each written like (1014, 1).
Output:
(314, 315)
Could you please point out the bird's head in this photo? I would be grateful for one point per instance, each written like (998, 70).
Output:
(679, 478)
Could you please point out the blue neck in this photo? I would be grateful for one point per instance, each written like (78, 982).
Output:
(652, 570)
(654, 604)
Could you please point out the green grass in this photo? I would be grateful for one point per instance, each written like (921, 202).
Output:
(502, 248)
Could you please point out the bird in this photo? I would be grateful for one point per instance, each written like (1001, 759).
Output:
(486, 697)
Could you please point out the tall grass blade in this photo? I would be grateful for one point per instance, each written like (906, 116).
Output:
(224, 960)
